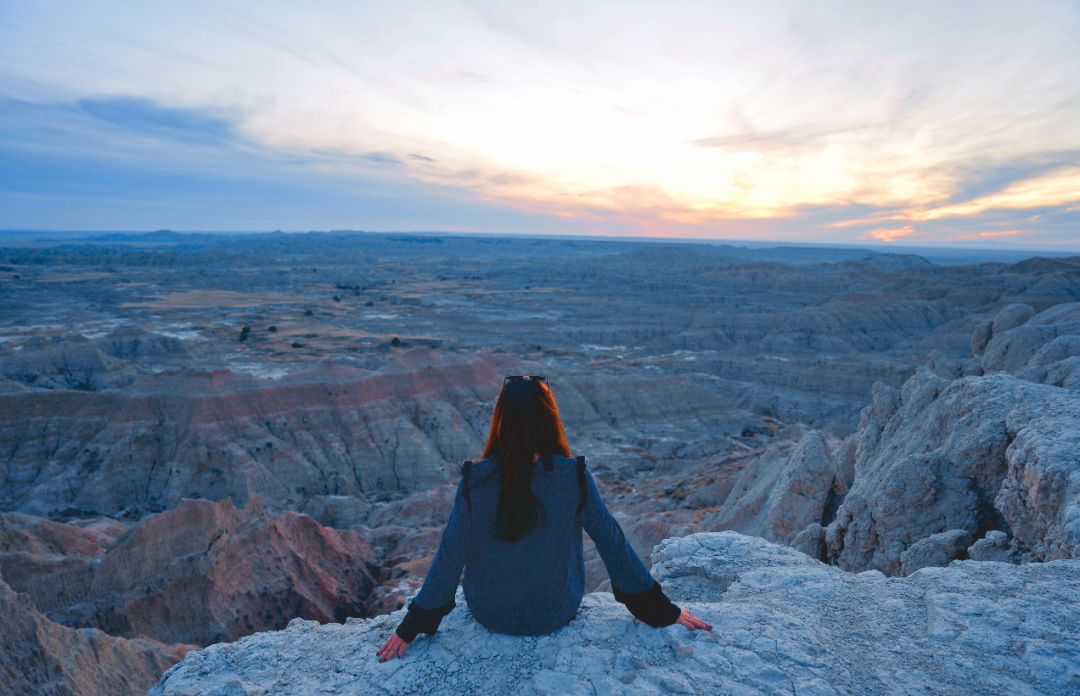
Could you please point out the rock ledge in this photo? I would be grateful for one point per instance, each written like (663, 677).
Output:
(782, 623)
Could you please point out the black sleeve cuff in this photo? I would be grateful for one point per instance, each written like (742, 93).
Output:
(420, 620)
(651, 606)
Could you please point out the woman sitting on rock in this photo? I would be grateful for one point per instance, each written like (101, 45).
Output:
(517, 528)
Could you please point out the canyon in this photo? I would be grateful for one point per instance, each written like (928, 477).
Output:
(206, 437)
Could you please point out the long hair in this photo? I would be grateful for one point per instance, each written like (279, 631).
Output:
(526, 420)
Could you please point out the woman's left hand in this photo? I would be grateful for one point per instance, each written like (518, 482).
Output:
(393, 647)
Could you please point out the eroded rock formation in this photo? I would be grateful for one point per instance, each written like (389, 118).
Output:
(782, 623)
(967, 448)
(333, 431)
(40, 656)
(328, 441)
(200, 573)
(709, 386)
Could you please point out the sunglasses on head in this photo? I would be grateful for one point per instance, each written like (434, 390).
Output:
(521, 378)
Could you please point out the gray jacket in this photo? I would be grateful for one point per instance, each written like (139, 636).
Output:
(534, 585)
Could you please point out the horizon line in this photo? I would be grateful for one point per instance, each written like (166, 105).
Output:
(879, 247)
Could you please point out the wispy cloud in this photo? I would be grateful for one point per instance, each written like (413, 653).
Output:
(793, 139)
(889, 234)
(144, 116)
(832, 121)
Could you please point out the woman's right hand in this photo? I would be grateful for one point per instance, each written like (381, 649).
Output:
(691, 622)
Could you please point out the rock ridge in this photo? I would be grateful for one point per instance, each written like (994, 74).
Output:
(782, 623)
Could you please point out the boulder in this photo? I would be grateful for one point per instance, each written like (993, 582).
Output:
(980, 336)
(802, 494)
(993, 547)
(745, 507)
(1039, 497)
(1011, 316)
(1014, 343)
(811, 541)
(935, 550)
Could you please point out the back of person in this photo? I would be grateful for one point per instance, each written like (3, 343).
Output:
(535, 584)
(519, 542)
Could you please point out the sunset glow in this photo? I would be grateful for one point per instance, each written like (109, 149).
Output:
(928, 122)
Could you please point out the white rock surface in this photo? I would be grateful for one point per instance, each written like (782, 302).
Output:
(994, 546)
(811, 541)
(803, 491)
(935, 550)
(1010, 316)
(782, 623)
(988, 444)
(746, 507)
(1040, 496)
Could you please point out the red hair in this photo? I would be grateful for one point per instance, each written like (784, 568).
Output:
(525, 421)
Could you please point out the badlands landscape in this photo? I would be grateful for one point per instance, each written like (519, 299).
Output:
(227, 460)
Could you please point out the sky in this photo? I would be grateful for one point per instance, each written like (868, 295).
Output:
(930, 123)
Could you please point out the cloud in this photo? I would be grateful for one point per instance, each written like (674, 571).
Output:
(832, 121)
(1059, 187)
(889, 234)
(783, 141)
(989, 234)
(63, 168)
(976, 179)
(144, 116)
